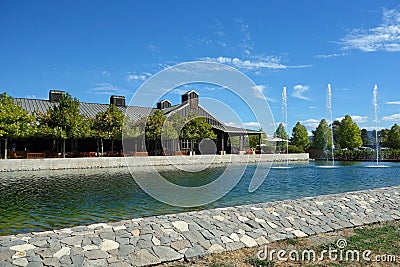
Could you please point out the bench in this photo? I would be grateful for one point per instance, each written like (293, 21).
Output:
(140, 154)
(92, 154)
(35, 155)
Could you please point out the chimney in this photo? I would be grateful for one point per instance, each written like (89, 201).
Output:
(192, 97)
(117, 100)
(55, 95)
(163, 104)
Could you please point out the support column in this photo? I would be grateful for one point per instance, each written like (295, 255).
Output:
(5, 148)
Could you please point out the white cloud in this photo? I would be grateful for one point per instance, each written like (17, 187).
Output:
(269, 62)
(393, 103)
(34, 97)
(138, 77)
(355, 118)
(331, 55)
(252, 124)
(394, 117)
(258, 91)
(360, 119)
(105, 73)
(298, 91)
(312, 107)
(310, 124)
(209, 88)
(179, 90)
(231, 123)
(247, 43)
(384, 37)
(107, 89)
(153, 48)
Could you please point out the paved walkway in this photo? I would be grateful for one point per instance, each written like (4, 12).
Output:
(153, 240)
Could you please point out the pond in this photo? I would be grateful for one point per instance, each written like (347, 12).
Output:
(43, 200)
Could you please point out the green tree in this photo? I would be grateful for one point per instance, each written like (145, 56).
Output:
(108, 125)
(365, 137)
(15, 122)
(64, 121)
(322, 136)
(394, 137)
(154, 129)
(154, 125)
(134, 129)
(282, 134)
(172, 126)
(336, 132)
(350, 134)
(197, 129)
(383, 137)
(171, 131)
(134, 135)
(254, 140)
(300, 137)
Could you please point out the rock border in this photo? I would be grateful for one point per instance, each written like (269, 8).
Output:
(158, 239)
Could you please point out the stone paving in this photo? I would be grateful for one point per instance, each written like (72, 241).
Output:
(153, 240)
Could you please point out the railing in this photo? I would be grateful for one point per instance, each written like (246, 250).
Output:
(35, 155)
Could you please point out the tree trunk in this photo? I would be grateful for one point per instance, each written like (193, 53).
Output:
(102, 146)
(97, 149)
(63, 148)
(5, 148)
(76, 145)
(112, 147)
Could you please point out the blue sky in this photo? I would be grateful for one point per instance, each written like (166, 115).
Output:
(93, 49)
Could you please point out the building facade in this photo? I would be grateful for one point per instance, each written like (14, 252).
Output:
(189, 105)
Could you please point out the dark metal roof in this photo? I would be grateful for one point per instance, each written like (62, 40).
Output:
(32, 105)
(235, 130)
(170, 110)
(87, 109)
(184, 110)
(133, 112)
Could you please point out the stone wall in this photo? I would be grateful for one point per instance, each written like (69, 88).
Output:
(159, 239)
(116, 162)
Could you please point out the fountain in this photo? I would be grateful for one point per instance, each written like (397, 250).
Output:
(375, 104)
(284, 112)
(329, 109)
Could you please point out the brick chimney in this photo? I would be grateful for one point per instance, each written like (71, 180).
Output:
(55, 95)
(117, 100)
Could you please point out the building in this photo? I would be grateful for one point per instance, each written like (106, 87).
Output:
(189, 104)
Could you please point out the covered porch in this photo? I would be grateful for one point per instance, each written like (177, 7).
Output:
(234, 140)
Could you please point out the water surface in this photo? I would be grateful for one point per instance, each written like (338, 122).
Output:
(42, 200)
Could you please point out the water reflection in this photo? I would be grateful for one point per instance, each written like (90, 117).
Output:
(46, 200)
